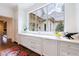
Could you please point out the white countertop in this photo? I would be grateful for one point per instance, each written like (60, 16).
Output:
(51, 37)
(69, 40)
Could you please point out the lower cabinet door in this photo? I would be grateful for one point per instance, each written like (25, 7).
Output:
(49, 47)
(36, 49)
(68, 49)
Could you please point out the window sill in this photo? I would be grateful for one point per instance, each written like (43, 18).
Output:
(40, 36)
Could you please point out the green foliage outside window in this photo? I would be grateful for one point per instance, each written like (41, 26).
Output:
(60, 27)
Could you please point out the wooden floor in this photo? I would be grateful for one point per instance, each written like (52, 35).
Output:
(10, 44)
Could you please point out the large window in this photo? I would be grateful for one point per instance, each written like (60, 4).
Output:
(49, 18)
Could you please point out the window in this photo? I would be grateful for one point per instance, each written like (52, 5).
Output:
(44, 27)
(49, 18)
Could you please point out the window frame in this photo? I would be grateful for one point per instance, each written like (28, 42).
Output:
(42, 32)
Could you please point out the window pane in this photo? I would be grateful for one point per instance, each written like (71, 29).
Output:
(48, 18)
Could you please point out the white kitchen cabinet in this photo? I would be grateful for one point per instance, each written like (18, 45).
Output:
(25, 41)
(36, 45)
(30, 42)
(68, 49)
(49, 47)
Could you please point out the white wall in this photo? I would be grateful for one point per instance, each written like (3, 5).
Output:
(4, 11)
(70, 17)
(20, 19)
(77, 16)
(10, 29)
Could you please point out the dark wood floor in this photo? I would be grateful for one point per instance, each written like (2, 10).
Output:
(10, 44)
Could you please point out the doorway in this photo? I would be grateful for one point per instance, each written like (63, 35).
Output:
(3, 27)
(7, 26)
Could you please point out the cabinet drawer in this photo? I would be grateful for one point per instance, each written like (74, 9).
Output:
(36, 48)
